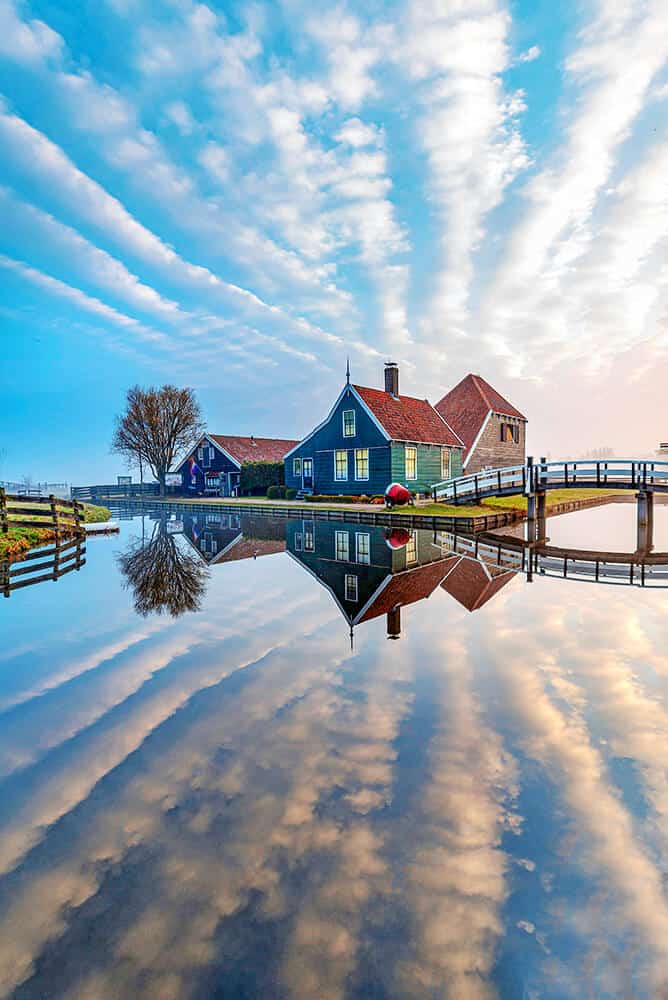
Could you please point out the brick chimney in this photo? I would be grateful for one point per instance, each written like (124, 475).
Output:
(392, 378)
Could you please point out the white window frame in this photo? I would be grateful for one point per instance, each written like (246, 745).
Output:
(299, 541)
(341, 535)
(353, 432)
(362, 479)
(365, 558)
(350, 580)
(206, 450)
(415, 451)
(297, 467)
(412, 548)
(309, 536)
(446, 454)
(337, 477)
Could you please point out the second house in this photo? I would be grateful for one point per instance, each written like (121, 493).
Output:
(371, 438)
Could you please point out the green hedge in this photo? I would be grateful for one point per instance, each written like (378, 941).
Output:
(257, 477)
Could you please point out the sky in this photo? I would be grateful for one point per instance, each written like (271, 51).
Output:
(237, 197)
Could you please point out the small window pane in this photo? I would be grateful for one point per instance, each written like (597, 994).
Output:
(411, 463)
(341, 466)
(363, 545)
(309, 537)
(411, 549)
(296, 467)
(362, 463)
(349, 423)
(351, 587)
(298, 541)
(341, 546)
(445, 463)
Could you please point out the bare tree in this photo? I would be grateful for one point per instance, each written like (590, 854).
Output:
(162, 577)
(157, 425)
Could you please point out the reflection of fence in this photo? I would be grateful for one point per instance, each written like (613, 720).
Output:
(29, 489)
(111, 491)
(63, 517)
(43, 564)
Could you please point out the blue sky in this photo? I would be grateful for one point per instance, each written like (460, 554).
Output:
(238, 196)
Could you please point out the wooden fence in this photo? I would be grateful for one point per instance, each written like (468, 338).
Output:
(110, 491)
(63, 517)
(54, 562)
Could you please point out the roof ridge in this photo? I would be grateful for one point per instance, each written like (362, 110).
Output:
(477, 379)
(402, 395)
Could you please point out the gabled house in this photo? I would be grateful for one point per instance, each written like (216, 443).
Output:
(221, 538)
(492, 429)
(214, 464)
(371, 438)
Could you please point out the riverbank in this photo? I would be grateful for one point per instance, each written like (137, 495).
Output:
(18, 540)
(485, 516)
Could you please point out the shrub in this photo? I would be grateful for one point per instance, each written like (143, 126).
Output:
(257, 477)
(273, 492)
(290, 493)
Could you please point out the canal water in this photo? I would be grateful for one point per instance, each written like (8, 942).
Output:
(252, 758)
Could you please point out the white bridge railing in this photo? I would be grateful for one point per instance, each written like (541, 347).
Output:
(620, 473)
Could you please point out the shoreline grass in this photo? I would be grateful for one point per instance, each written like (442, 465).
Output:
(18, 540)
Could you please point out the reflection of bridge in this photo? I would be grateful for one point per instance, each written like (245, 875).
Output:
(540, 559)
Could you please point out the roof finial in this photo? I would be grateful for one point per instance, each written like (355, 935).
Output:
(348, 370)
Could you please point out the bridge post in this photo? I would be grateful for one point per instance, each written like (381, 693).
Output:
(645, 521)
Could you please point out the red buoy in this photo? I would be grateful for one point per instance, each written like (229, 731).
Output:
(397, 495)
(396, 538)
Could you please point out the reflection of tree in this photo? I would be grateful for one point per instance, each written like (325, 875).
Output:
(162, 576)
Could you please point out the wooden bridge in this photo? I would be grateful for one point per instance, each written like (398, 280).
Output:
(534, 478)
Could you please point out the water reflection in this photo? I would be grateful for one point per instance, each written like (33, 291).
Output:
(161, 575)
(244, 807)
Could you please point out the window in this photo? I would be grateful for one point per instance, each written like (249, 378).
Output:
(206, 456)
(309, 537)
(351, 587)
(363, 548)
(200, 453)
(411, 463)
(298, 541)
(361, 463)
(296, 466)
(445, 463)
(341, 466)
(349, 423)
(411, 548)
(510, 433)
(341, 551)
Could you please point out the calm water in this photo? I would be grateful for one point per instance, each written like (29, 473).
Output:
(270, 759)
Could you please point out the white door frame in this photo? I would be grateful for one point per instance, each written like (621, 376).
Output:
(311, 461)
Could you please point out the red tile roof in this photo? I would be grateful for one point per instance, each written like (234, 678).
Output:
(469, 584)
(249, 548)
(252, 449)
(408, 587)
(408, 419)
(466, 406)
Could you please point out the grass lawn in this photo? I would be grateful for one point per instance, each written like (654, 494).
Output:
(19, 540)
(554, 497)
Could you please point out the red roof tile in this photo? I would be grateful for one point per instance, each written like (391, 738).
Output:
(408, 587)
(466, 406)
(252, 449)
(408, 419)
(469, 584)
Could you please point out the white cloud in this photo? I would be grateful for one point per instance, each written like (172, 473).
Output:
(179, 114)
(28, 41)
(529, 55)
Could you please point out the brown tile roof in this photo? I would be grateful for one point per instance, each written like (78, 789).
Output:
(469, 584)
(250, 548)
(408, 587)
(408, 419)
(252, 449)
(466, 406)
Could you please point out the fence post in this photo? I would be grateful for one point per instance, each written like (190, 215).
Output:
(78, 509)
(54, 517)
(3, 511)
(4, 578)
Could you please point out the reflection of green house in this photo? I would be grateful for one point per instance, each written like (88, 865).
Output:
(369, 571)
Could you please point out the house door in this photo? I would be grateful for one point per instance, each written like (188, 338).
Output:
(307, 473)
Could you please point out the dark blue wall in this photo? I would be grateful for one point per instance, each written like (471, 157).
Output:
(329, 438)
(219, 463)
